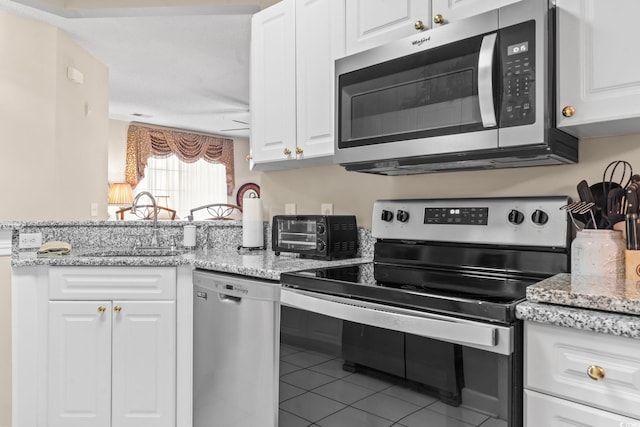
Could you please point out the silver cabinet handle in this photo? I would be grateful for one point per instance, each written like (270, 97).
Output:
(485, 80)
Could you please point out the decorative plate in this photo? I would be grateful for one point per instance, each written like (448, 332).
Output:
(247, 190)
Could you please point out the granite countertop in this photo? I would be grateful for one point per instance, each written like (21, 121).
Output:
(263, 264)
(609, 307)
(622, 296)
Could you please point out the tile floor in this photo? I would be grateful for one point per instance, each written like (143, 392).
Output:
(316, 391)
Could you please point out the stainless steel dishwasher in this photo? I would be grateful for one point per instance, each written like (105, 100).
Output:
(236, 351)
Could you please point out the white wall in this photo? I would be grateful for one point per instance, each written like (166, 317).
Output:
(53, 163)
(54, 156)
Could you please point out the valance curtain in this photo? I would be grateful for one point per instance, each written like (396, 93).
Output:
(144, 142)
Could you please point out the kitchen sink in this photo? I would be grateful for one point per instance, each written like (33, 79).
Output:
(145, 251)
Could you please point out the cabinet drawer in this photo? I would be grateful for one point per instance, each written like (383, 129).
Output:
(128, 283)
(557, 360)
(543, 410)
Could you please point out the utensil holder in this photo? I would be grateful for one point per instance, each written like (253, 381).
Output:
(598, 254)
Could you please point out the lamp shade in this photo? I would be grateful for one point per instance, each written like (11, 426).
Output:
(120, 193)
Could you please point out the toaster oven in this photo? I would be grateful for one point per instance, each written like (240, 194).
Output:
(323, 237)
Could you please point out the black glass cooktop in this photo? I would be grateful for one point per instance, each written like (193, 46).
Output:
(469, 294)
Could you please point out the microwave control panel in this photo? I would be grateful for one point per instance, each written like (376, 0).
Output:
(517, 52)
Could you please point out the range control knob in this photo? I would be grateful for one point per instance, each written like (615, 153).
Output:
(386, 215)
(402, 216)
(515, 217)
(539, 217)
(321, 245)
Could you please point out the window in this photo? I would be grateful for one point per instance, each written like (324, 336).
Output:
(185, 185)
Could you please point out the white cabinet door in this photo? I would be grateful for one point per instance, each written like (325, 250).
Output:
(544, 410)
(319, 42)
(446, 11)
(372, 23)
(144, 367)
(79, 365)
(597, 70)
(273, 83)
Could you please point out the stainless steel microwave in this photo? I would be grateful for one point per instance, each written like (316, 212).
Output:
(473, 94)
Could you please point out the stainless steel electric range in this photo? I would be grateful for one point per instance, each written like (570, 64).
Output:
(436, 307)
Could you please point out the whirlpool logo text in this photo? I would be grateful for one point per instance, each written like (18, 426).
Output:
(420, 41)
(629, 424)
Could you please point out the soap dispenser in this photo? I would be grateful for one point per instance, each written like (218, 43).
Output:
(189, 236)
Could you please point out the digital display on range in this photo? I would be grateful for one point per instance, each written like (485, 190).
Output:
(454, 216)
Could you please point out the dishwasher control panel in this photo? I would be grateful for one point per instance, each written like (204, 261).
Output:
(219, 285)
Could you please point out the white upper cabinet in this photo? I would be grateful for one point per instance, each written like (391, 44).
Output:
(446, 11)
(371, 23)
(293, 48)
(273, 83)
(598, 90)
(319, 42)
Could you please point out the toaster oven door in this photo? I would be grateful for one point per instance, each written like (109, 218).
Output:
(296, 235)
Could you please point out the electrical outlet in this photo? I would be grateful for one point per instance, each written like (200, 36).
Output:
(29, 240)
(326, 208)
(94, 209)
(289, 208)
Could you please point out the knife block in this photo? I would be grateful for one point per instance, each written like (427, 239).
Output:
(632, 265)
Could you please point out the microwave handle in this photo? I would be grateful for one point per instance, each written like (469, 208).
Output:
(485, 80)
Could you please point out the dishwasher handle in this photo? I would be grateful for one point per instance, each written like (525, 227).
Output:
(229, 299)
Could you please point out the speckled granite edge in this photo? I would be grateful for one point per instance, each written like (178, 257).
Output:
(597, 294)
(577, 318)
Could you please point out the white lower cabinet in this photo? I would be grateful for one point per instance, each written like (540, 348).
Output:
(580, 378)
(544, 410)
(111, 363)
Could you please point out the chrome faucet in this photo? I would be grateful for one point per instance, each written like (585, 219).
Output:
(134, 205)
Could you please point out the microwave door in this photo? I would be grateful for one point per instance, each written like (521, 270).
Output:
(485, 80)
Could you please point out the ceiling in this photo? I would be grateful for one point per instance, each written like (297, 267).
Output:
(177, 63)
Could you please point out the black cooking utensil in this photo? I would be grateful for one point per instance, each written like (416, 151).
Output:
(609, 175)
(584, 192)
(615, 206)
(600, 199)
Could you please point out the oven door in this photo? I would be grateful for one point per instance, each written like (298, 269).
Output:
(463, 369)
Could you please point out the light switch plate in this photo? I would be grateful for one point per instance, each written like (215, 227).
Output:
(326, 208)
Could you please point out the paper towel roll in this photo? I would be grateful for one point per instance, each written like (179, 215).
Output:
(252, 223)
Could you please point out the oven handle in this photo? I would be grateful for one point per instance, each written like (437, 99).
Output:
(496, 339)
(485, 80)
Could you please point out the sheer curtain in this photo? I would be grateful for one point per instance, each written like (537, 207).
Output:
(185, 185)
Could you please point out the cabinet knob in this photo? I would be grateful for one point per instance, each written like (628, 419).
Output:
(595, 372)
(102, 309)
(568, 111)
(438, 19)
(418, 25)
(249, 157)
(117, 309)
(299, 150)
(287, 152)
